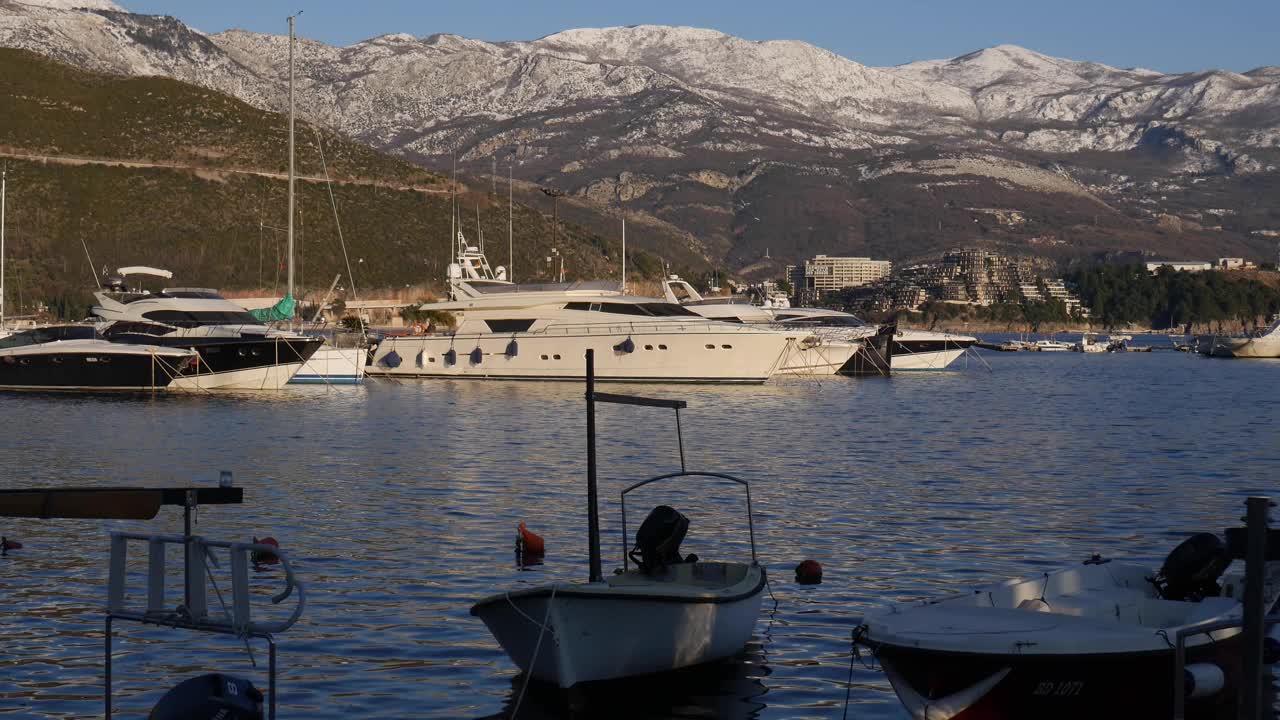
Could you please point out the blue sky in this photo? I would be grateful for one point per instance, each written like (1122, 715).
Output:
(1172, 36)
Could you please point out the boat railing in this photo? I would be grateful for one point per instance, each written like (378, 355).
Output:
(1180, 653)
(751, 530)
(193, 613)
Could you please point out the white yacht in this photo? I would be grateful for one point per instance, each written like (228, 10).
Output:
(236, 350)
(505, 331)
(912, 349)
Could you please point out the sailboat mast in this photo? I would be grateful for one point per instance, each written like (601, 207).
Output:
(624, 251)
(4, 187)
(291, 18)
(511, 247)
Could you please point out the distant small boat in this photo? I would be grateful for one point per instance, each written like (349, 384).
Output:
(1051, 346)
(1089, 343)
(666, 613)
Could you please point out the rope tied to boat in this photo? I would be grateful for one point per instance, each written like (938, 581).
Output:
(542, 631)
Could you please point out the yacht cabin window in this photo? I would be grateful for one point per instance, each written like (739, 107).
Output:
(49, 334)
(199, 318)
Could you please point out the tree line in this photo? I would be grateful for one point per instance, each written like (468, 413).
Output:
(1168, 299)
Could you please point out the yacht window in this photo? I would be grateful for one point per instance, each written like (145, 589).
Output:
(711, 347)
(509, 326)
(192, 294)
(662, 347)
(135, 328)
(544, 357)
(198, 318)
(49, 334)
(595, 307)
(668, 310)
(557, 357)
(727, 347)
(648, 347)
(578, 306)
(625, 309)
(730, 320)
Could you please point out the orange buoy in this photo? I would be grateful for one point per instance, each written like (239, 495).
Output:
(809, 572)
(529, 542)
(265, 557)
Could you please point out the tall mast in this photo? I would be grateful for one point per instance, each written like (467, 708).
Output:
(511, 248)
(624, 251)
(4, 186)
(291, 17)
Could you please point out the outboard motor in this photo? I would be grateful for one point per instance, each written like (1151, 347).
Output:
(210, 697)
(658, 540)
(1192, 570)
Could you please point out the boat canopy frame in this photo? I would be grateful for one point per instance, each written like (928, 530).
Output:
(751, 529)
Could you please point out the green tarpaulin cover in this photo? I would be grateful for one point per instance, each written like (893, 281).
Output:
(282, 310)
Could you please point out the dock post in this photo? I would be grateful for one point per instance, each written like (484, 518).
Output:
(1258, 509)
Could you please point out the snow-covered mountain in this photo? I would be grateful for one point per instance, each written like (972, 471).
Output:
(683, 119)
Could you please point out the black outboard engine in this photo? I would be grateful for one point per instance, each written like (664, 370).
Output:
(1192, 570)
(658, 539)
(210, 697)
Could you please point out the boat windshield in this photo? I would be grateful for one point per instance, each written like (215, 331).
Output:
(655, 309)
(201, 318)
(822, 321)
(47, 335)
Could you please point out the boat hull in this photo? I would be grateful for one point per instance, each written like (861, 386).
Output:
(73, 370)
(729, 356)
(936, 685)
(906, 358)
(238, 363)
(332, 366)
(597, 636)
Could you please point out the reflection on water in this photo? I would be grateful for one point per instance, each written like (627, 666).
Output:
(399, 503)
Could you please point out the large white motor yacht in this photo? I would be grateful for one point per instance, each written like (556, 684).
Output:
(237, 351)
(540, 332)
(912, 349)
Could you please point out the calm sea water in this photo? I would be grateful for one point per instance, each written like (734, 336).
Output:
(399, 503)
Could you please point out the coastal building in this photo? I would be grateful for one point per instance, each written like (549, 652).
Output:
(966, 276)
(825, 273)
(1153, 267)
(1235, 263)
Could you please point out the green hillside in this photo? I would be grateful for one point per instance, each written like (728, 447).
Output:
(153, 171)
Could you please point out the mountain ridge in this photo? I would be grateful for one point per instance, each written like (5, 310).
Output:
(697, 126)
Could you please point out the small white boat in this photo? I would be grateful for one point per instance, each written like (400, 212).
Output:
(1092, 640)
(1051, 346)
(667, 612)
(1089, 343)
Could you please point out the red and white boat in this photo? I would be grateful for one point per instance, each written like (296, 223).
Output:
(1093, 640)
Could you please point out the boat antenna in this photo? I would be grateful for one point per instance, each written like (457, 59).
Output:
(93, 272)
